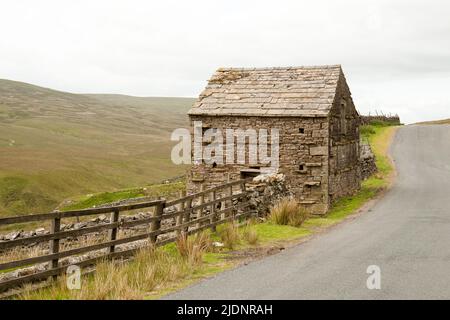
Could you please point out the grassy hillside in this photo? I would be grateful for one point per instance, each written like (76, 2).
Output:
(55, 145)
(445, 121)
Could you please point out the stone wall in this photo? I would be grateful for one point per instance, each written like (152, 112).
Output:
(394, 120)
(266, 190)
(303, 156)
(367, 161)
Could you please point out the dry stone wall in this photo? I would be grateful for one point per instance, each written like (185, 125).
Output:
(367, 161)
(394, 120)
(265, 190)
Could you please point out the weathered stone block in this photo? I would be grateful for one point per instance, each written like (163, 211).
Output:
(318, 151)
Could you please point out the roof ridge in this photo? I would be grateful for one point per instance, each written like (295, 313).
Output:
(328, 66)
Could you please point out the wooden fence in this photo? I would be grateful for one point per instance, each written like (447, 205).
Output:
(188, 214)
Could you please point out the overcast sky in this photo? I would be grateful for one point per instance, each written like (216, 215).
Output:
(395, 54)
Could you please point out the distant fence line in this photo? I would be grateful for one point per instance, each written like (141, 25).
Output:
(188, 214)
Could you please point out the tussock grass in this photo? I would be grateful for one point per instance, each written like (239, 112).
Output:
(250, 233)
(192, 248)
(57, 291)
(230, 235)
(132, 280)
(18, 253)
(287, 211)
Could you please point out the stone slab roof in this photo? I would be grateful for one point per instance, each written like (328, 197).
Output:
(292, 91)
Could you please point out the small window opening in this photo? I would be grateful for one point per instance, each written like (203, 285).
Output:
(301, 130)
(301, 167)
(249, 173)
(214, 165)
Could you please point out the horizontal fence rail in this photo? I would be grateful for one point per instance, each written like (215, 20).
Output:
(188, 214)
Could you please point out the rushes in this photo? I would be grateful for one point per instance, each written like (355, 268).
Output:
(132, 280)
(109, 282)
(192, 248)
(287, 211)
(250, 233)
(129, 280)
(230, 235)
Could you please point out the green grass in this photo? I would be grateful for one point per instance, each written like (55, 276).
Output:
(379, 137)
(105, 197)
(167, 190)
(16, 194)
(269, 232)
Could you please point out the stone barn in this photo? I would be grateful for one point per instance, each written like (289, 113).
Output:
(318, 127)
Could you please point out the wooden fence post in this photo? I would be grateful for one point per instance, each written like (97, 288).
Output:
(223, 204)
(213, 210)
(231, 200)
(113, 232)
(202, 201)
(181, 206)
(54, 243)
(187, 215)
(243, 190)
(156, 225)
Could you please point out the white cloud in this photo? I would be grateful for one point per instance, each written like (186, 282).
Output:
(395, 54)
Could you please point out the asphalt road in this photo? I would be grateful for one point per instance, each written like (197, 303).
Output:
(406, 234)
